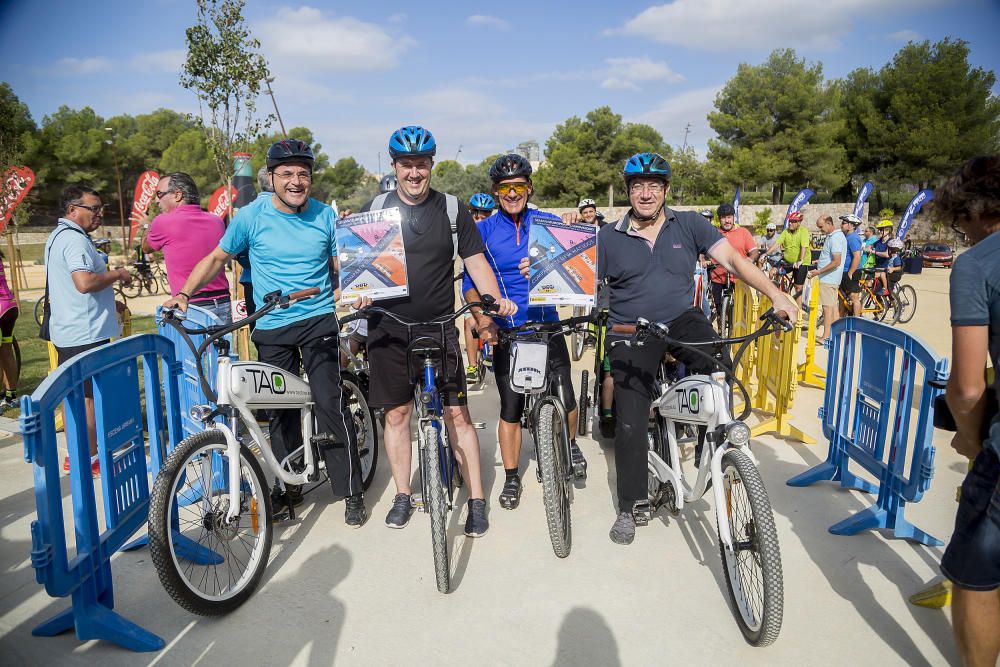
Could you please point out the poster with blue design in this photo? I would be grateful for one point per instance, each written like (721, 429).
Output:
(372, 256)
(563, 269)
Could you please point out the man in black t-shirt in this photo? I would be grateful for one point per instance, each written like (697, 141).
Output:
(430, 253)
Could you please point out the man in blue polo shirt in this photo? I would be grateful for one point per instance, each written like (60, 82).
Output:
(290, 240)
(646, 258)
(506, 235)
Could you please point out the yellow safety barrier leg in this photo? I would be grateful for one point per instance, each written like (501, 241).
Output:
(809, 373)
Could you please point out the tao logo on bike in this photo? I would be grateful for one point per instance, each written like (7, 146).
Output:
(273, 382)
(688, 400)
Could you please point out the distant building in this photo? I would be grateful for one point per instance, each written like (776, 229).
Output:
(529, 150)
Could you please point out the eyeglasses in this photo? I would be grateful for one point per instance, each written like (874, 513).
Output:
(517, 188)
(160, 194)
(293, 175)
(651, 188)
(96, 210)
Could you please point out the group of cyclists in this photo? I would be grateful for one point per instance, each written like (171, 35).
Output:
(644, 264)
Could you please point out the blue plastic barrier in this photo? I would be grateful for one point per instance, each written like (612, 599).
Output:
(867, 419)
(86, 577)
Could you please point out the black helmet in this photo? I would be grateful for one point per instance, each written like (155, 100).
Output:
(289, 150)
(387, 184)
(724, 210)
(509, 166)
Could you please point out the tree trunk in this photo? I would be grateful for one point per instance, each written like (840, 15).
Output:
(775, 194)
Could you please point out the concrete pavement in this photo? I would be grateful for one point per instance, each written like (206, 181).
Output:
(363, 597)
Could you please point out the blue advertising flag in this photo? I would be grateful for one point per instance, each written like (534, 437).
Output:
(922, 198)
(736, 205)
(797, 203)
(859, 205)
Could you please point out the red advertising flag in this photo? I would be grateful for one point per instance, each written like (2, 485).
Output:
(145, 190)
(16, 184)
(221, 201)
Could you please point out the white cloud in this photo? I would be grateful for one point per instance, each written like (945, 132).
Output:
(81, 66)
(396, 18)
(671, 116)
(727, 25)
(481, 21)
(906, 36)
(627, 73)
(169, 61)
(322, 44)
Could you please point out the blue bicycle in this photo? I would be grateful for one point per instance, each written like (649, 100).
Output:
(426, 358)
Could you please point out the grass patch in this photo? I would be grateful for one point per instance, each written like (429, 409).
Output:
(35, 352)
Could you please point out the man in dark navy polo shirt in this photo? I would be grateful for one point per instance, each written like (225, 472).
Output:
(646, 258)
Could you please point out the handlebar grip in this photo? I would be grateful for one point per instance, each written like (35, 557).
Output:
(303, 294)
(623, 328)
(488, 302)
(770, 316)
(347, 319)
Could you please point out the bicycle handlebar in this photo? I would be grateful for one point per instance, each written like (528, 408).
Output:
(562, 327)
(488, 304)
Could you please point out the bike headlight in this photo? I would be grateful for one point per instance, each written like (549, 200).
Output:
(737, 433)
(200, 413)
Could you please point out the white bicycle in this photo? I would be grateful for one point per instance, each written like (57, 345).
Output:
(210, 514)
(748, 541)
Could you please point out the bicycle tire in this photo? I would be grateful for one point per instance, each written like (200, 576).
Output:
(555, 489)
(727, 316)
(161, 276)
(39, 310)
(656, 438)
(133, 289)
(578, 340)
(152, 284)
(355, 390)
(206, 531)
(755, 533)
(906, 303)
(436, 506)
(583, 408)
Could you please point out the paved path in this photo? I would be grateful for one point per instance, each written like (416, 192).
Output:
(367, 597)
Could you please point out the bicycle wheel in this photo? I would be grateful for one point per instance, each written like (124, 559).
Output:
(550, 446)
(436, 506)
(660, 493)
(906, 303)
(727, 316)
(39, 310)
(134, 288)
(161, 276)
(207, 566)
(151, 284)
(583, 405)
(753, 567)
(356, 399)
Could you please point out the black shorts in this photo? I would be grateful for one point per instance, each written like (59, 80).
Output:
(391, 383)
(799, 275)
(972, 559)
(849, 285)
(64, 354)
(560, 370)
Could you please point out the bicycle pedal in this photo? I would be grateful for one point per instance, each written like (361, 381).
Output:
(479, 425)
(580, 470)
(641, 512)
(417, 502)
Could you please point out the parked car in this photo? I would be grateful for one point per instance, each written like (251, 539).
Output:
(938, 254)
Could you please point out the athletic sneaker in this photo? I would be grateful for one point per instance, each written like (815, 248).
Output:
(95, 466)
(607, 427)
(476, 524)
(623, 530)
(471, 374)
(510, 496)
(399, 514)
(355, 512)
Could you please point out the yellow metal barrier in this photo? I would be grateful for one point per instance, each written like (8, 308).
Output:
(744, 322)
(777, 377)
(810, 374)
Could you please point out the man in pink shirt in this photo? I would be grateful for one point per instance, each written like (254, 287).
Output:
(186, 234)
(739, 238)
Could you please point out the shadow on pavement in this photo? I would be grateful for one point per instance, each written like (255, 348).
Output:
(586, 639)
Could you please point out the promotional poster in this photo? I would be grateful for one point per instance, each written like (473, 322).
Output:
(371, 254)
(563, 264)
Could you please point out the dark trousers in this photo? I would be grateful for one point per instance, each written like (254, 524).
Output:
(634, 372)
(312, 345)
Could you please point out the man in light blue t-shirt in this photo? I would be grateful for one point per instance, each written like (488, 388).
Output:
(830, 270)
(291, 245)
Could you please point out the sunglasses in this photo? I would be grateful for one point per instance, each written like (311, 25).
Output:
(517, 188)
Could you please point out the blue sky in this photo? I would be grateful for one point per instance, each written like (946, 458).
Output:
(480, 76)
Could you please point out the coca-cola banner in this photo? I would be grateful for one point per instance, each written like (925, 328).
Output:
(16, 183)
(221, 201)
(145, 189)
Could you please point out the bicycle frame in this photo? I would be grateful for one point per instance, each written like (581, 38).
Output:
(430, 410)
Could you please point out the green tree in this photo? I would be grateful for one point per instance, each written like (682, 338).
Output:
(585, 156)
(921, 115)
(16, 127)
(776, 123)
(339, 181)
(225, 71)
(693, 181)
(189, 153)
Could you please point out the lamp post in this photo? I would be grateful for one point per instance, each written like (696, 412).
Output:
(118, 178)
(267, 82)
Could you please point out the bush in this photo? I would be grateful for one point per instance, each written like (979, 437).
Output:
(760, 220)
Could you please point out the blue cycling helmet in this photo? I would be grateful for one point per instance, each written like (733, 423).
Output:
(482, 202)
(646, 164)
(412, 141)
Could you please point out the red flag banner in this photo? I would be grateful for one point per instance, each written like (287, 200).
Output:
(221, 201)
(16, 184)
(145, 190)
